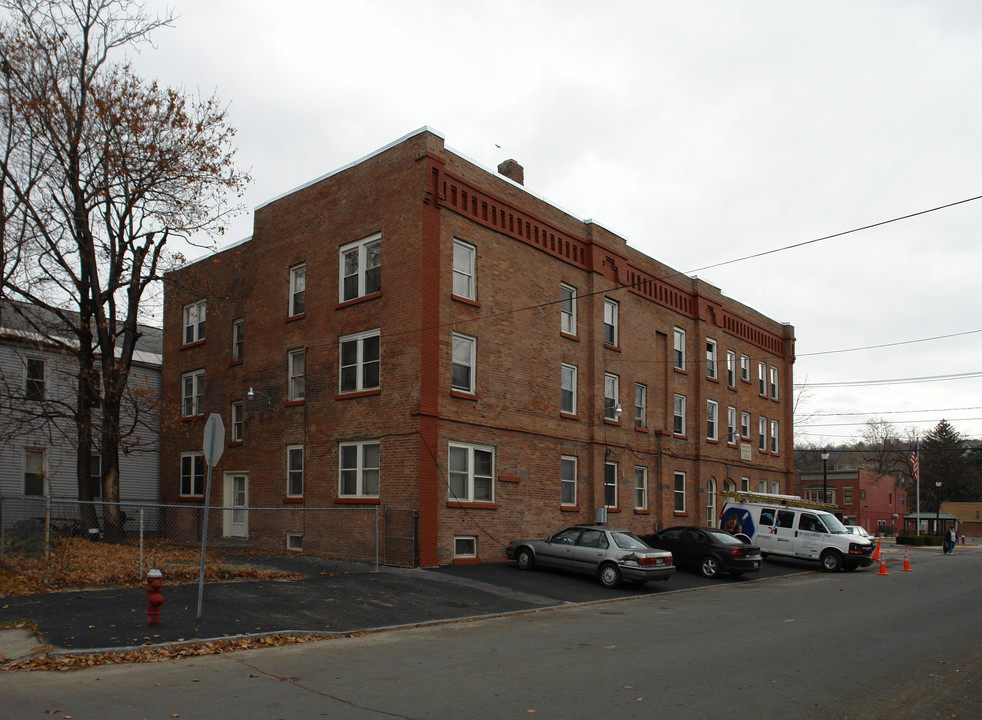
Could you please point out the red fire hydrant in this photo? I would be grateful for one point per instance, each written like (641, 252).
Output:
(155, 598)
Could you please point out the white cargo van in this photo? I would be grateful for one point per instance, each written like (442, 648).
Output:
(790, 526)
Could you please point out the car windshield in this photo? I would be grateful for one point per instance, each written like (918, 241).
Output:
(628, 541)
(724, 538)
(832, 523)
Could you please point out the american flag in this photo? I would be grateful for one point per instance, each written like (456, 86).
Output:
(915, 468)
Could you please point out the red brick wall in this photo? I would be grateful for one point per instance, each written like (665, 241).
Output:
(526, 248)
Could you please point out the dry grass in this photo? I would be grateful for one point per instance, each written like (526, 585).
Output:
(77, 562)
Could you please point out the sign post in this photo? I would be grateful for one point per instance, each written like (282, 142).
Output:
(213, 446)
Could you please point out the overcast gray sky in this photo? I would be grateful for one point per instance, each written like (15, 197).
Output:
(702, 132)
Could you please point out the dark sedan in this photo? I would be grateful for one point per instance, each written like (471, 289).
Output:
(707, 550)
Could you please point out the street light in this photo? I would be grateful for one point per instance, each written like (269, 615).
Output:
(937, 516)
(825, 477)
(253, 392)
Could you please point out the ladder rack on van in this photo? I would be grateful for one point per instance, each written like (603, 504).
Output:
(786, 500)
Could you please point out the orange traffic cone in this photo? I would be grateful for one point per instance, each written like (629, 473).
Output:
(883, 567)
(876, 553)
(906, 561)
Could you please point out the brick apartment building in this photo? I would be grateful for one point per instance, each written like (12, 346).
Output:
(466, 350)
(875, 501)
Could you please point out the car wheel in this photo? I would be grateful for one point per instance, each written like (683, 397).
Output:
(709, 566)
(525, 559)
(609, 575)
(831, 561)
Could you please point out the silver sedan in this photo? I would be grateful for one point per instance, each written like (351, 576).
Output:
(612, 555)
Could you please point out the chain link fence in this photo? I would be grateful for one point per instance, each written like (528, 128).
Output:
(63, 542)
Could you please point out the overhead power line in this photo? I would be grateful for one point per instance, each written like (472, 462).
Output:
(886, 345)
(838, 234)
(894, 381)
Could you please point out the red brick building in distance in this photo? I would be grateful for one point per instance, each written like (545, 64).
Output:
(876, 502)
(421, 333)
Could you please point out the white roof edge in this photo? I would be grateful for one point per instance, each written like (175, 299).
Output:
(587, 221)
(142, 356)
(379, 151)
(335, 171)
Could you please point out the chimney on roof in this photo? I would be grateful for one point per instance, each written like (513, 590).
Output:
(513, 171)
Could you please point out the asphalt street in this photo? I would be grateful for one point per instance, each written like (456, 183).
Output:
(806, 645)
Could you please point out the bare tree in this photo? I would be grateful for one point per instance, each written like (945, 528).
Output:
(100, 170)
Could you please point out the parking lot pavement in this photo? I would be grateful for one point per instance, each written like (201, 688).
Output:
(112, 618)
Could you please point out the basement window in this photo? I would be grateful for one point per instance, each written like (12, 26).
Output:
(465, 547)
(294, 541)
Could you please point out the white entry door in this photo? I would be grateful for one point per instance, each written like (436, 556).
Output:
(236, 520)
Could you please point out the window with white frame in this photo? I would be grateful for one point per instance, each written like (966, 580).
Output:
(194, 322)
(679, 348)
(611, 384)
(775, 487)
(359, 468)
(762, 378)
(712, 371)
(711, 503)
(730, 368)
(34, 383)
(745, 484)
(640, 487)
(567, 481)
(762, 486)
(774, 436)
(294, 470)
(610, 322)
(745, 425)
(238, 340)
(678, 411)
(640, 405)
(567, 399)
(731, 425)
(680, 492)
(294, 541)
(361, 268)
(773, 382)
(360, 365)
(464, 276)
(463, 363)
(192, 474)
(296, 367)
(465, 546)
(745, 368)
(192, 393)
(34, 472)
(298, 290)
(762, 434)
(712, 420)
(238, 422)
(471, 475)
(610, 484)
(567, 309)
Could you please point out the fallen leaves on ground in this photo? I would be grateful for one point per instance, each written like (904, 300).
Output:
(78, 562)
(148, 655)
